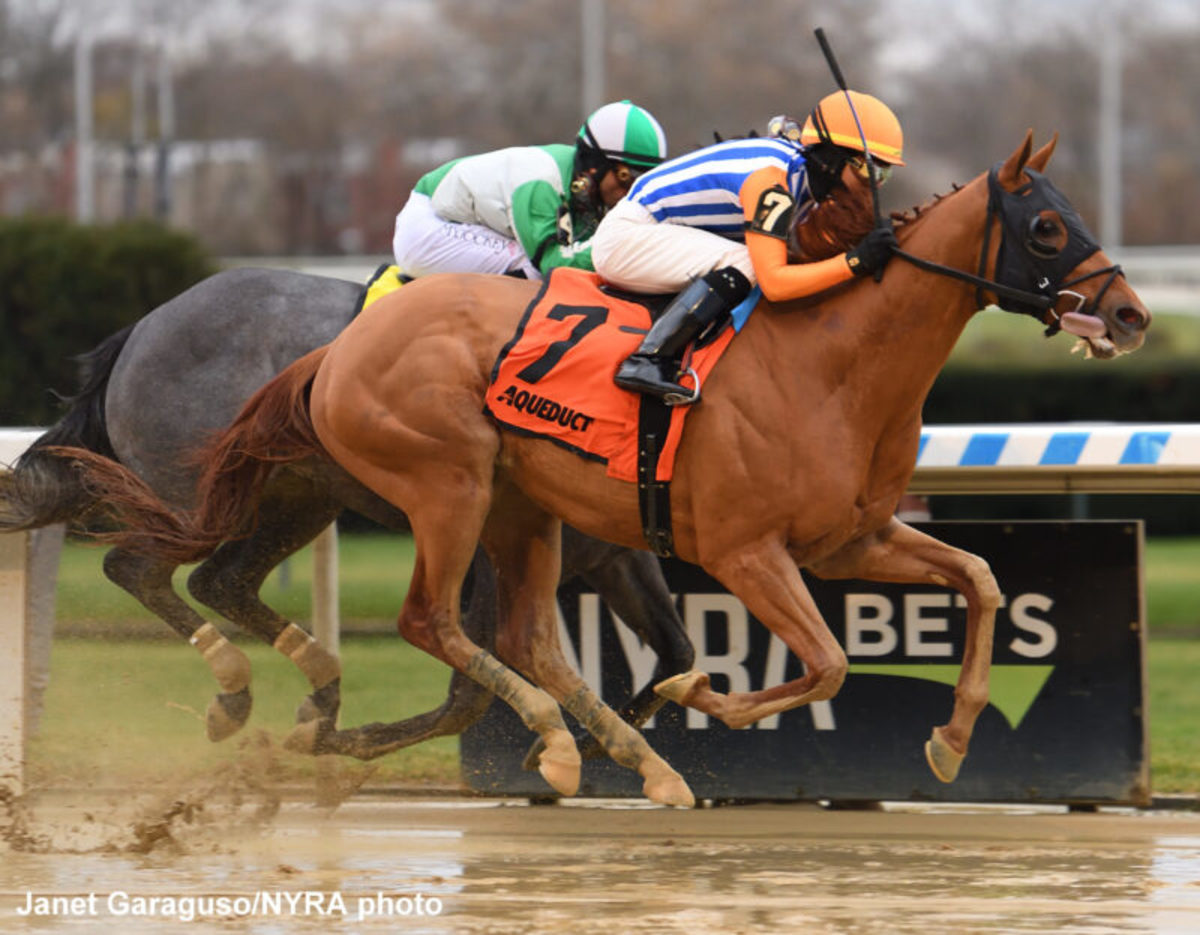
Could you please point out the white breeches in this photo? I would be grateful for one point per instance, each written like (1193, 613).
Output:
(425, 243)
(633, 251)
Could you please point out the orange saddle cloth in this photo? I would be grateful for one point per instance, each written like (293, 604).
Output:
(554, 379)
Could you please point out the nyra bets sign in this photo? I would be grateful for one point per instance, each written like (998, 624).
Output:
(1065, 722)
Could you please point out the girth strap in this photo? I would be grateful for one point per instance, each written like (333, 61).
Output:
(654, 496)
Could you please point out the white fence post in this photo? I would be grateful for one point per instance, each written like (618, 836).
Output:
(325, 620)
(326, 626)
(15, 609)
(14, 559)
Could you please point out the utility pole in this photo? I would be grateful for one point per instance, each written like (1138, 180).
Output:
(85, 194)
(137, 129)
(592, 36)
(1109, 142)
(166, 133)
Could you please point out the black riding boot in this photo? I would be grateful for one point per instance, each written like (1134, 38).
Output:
(653, 368)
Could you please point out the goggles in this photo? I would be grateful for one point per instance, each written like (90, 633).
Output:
(883, 171)
(624, 174)
(783, 127)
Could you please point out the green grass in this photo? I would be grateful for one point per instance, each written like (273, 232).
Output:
(122, 713)
(1173, 587)
(373, 573)
(145, 691)
(123, 709)
(1174, 705)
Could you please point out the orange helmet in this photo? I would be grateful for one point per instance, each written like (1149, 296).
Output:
(832, 122)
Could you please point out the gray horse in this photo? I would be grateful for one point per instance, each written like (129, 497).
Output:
(154, 392)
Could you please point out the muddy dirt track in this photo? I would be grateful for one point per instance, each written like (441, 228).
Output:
(382, 863)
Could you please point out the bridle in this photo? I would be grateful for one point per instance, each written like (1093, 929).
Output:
(1030, 277)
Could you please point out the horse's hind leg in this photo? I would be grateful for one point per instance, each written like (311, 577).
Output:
(149, 580)
(229, 581)
(902, 554)
(466, 700)
(524, 543)
(446, 494)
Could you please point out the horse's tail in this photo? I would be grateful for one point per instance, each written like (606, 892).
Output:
(42, 488)
(273, 428)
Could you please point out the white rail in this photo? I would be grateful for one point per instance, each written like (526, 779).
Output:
(1064, 458)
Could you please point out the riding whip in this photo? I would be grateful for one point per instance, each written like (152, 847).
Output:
(841, 83)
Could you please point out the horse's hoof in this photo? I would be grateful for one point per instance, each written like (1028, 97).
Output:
(559, 763)
(533, 757)
(303, 738)
(942, 759)
(323, 703)
(669, 789)
(227, 714)
(589, 749)
(678, 687)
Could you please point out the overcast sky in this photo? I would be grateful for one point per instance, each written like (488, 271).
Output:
(916, 32)
(919, 32)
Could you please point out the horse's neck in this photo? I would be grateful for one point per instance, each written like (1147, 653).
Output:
(890, 340)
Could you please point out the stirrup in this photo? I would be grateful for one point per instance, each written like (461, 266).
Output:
(678, 399)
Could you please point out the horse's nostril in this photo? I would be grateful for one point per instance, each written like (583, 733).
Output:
(1131, 317)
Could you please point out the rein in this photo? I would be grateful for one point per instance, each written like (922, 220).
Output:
(1047, 281)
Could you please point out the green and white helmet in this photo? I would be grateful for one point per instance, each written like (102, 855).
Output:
(621, 132)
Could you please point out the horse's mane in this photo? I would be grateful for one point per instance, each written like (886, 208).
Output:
(916, 212)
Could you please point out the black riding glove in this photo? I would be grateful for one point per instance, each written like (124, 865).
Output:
(873, 251)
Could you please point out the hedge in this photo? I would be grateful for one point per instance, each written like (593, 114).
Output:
(1111, 391)
(1155, 388)
(65, 287)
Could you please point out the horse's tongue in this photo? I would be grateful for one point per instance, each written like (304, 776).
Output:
(1086, 326)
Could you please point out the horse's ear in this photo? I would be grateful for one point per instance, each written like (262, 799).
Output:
(1010, 172)
(1038, 160)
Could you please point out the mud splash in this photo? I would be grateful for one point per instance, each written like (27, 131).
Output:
(193, 813)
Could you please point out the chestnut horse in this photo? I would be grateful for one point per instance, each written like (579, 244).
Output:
(796, 458)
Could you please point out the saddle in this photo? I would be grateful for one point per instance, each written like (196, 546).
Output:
(386, 278)
(554, 380)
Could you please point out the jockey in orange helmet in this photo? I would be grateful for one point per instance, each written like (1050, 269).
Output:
(716, 221)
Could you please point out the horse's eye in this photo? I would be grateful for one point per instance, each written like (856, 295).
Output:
(1046, 236)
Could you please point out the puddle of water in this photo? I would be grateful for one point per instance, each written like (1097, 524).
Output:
(488, 867)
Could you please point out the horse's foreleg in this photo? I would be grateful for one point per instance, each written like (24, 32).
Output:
(422, 444)
(149, 580)
(631, 583)
(446, 529)
(768, 582)
(524, 543)
(900, 553)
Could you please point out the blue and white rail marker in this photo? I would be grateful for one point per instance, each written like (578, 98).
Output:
(1057, 445)
(1059, 457)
